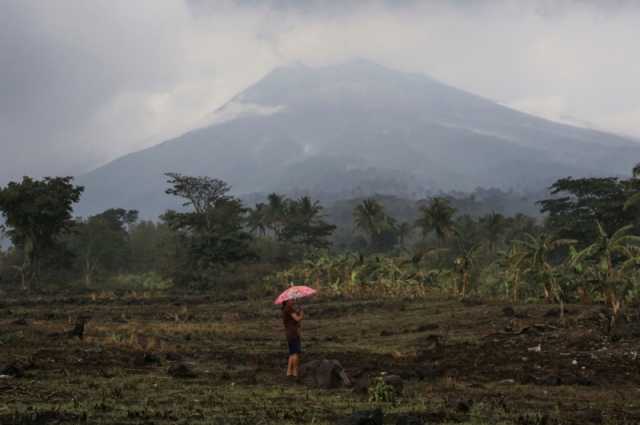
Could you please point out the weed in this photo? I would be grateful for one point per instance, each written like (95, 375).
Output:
(381, 392)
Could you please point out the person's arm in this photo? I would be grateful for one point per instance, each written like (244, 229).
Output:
(298, 316)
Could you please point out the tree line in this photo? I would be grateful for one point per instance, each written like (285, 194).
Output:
(586, 245)
(190, 247)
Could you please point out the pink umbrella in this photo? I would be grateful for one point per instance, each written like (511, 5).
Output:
(294, 293)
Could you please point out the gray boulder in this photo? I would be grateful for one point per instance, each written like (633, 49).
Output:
(324, 374)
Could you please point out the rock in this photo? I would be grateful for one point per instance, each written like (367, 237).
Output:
(508, 311)
(366, 417)
(361, 384)
(430, 348)
(151, 359)
(555, 312)
(552, 312)
(181, 370)
(324, 374)
(428, 372)
(409, 420)
(550, 380)
(173, 357)
(463, 406)
(231, 317)
(13, 370)
(427, 327)
(79, 327)
(590, 416)
(471, 302)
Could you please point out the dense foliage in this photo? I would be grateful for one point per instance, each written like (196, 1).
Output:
(586, 249)
(36, 213)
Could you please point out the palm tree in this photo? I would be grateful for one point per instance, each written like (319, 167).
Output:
(404, 229)
(257, 219)
(438, 217)
(274, 213)
(369, 217)
(635, 198)
(536, 251)
(604, 252)
(494, 226)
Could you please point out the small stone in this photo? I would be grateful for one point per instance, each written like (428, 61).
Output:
(367, 417)
(181, 370)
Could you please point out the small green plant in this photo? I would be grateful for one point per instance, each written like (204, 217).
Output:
(381, 392)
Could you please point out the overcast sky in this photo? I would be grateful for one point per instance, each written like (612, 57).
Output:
(83, 82)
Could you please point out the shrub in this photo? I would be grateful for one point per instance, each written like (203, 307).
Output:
(140, 282)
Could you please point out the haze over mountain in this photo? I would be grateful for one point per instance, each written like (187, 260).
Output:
(355, 129)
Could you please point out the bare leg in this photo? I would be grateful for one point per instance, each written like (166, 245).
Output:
(290, 366)
(295, 364)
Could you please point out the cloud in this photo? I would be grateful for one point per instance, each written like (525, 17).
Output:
(84, 82)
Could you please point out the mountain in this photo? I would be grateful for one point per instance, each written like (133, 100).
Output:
(359, 128)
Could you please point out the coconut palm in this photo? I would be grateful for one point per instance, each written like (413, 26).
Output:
(369, 218)
(635, 198)
(404, 229)
(257, 219)
(438, 217)
(275, 212)
(494, 226)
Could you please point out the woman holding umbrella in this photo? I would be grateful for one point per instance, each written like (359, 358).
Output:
(292, 317)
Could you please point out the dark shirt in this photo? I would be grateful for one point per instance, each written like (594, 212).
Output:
(291, 325)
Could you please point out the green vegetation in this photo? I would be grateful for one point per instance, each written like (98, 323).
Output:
(452, 304)
(586, 249)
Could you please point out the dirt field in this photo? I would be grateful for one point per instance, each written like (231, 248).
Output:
(473, 362)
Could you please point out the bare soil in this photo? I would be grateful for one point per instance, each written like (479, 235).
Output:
(193, 360)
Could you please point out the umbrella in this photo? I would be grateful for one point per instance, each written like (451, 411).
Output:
(294, 293)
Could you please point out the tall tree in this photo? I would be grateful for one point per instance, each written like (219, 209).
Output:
(578, 204)
(303, 224)
(438, 217)
(404, 230)
(275, 212)
(494, 226)
(370, 218)
(36, 213)
(214, 230)
(101, 243)
(257, 219)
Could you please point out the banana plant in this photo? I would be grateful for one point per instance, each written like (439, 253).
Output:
(464, 264)
(513, 264)
(610, 256)
(536, 252)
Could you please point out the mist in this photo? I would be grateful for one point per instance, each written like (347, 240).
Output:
(84, 83)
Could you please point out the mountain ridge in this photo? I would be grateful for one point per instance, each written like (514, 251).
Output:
(348, 126)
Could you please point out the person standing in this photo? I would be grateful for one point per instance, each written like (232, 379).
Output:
(292, 318)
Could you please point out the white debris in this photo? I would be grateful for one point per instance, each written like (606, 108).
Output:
(536, 349)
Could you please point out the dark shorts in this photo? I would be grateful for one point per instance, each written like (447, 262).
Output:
(295, 347)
